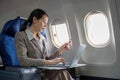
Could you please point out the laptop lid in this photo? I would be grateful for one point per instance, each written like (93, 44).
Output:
(78, 55)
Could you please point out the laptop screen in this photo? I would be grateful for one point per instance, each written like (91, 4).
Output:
(78, 54)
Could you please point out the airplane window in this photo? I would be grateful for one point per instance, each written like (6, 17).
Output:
(97, 29)
(59, 32)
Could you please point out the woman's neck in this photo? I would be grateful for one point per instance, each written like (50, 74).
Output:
(34, 33)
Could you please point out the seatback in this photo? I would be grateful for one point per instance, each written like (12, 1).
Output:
(7, 47)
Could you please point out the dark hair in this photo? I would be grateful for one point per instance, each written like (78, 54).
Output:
(38, 13)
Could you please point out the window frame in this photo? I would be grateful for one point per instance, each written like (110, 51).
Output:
(55, 43)
(86, 31)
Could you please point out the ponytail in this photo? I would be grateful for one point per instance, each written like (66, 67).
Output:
(24, 26)
(38, 13)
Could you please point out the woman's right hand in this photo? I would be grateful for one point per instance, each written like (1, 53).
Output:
(54, 61)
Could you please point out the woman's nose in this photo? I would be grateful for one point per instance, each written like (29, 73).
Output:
(45, 25)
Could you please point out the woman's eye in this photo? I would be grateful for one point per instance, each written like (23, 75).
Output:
(44, 22)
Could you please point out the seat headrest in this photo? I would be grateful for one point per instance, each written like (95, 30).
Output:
(14, 26)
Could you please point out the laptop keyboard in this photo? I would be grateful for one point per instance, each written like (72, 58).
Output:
(58, 65)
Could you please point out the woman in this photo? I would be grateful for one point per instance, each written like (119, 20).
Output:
(32, 49)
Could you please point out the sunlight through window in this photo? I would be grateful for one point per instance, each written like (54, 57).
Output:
(97, 29)
(59, 33)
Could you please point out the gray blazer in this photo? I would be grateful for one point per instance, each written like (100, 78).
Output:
(29, 52)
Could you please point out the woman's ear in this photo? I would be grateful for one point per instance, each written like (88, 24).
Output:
(34, 19)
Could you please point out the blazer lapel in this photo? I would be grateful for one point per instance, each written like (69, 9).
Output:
(44, 48)
(37, 46)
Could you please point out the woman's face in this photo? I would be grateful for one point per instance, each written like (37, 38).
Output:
(41, 23)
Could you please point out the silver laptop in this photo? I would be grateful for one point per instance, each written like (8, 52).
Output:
(74, 62)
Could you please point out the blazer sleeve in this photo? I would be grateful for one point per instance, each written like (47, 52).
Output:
(21, 51)
(53, 55)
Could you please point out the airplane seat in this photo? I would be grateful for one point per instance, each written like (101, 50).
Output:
(7, 47)
(10, 62)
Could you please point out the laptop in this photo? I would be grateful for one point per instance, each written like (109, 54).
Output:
(74, 62)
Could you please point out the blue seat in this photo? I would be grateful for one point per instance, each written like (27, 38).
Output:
(8, 53)
(7, 47)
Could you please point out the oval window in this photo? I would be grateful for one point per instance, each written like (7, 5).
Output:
(59, 32)
(97, 29)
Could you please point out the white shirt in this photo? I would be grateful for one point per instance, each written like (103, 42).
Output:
(31, 36)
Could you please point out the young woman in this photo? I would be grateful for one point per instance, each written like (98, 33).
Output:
(32, 50)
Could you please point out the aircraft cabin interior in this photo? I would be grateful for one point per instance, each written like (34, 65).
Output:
(92, 27)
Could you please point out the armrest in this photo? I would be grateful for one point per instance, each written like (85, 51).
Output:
(24, 73)
(22, 69)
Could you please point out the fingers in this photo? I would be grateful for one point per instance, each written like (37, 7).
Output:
(65, 46)
(69, 42)
(68, 45)
(57, 60)
(54, 61)
(60, 60)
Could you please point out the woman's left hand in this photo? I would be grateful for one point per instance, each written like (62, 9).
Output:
(64, 47)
